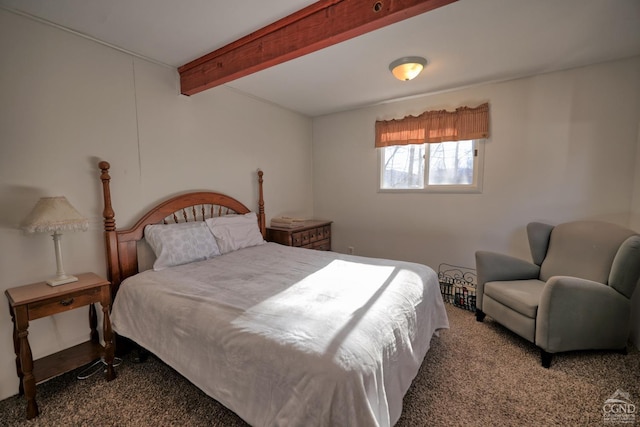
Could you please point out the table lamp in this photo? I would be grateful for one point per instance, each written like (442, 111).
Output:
(55, 214)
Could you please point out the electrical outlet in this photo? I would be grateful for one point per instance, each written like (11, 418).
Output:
(350, 250)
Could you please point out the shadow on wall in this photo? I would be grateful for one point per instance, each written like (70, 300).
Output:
(16, 202)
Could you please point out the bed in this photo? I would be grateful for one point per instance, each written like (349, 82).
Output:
(282, 336)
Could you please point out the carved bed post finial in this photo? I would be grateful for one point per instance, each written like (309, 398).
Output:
(107, 213)
(261, 217)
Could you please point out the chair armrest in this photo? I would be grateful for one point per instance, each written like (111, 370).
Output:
(492, 266)
(579, 314)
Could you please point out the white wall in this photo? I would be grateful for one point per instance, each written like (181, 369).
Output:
(68, 102)
(563, 146)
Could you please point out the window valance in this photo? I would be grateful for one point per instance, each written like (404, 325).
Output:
(435, 126)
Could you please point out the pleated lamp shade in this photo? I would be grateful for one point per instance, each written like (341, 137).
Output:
(54, 215)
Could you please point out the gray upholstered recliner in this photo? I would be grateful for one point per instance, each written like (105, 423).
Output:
(576, 295)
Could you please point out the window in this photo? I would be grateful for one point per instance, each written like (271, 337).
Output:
(437, 150)
(451, 166)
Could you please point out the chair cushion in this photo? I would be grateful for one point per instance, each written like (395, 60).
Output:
(583, 249)
(522, 296)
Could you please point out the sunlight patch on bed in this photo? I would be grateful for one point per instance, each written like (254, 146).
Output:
(328, 304)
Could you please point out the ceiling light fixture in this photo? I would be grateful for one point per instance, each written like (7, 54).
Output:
(407, 68)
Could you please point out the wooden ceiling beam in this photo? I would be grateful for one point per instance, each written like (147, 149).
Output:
(312, 28)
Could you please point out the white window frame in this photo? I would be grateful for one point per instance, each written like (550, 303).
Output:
(474, 187)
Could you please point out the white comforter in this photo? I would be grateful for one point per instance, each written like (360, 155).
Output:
(287, 336)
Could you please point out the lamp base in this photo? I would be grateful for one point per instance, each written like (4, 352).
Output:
(57, 281)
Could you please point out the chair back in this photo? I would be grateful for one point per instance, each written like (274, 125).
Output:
(584, 249)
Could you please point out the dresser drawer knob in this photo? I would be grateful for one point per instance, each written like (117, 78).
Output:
(66, 302)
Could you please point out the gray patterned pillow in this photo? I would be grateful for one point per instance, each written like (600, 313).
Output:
(181, 243)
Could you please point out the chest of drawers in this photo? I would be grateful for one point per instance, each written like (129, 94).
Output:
(315, 234)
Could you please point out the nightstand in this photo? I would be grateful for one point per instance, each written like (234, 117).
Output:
(315, 234)
(30, 302)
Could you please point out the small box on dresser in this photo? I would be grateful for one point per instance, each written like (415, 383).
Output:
(314, 234)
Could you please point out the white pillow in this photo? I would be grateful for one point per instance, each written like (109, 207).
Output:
(233, 232)
(181, 243)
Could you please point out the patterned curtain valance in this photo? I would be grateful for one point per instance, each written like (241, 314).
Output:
(435, 126)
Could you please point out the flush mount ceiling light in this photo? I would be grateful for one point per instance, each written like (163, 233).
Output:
(407, 68)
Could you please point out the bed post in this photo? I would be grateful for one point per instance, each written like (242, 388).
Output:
(261, 218)
(113, 270)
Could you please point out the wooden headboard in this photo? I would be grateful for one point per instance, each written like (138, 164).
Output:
(122, 245)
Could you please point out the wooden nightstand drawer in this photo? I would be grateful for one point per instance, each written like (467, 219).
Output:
(302, 237)
(296, 239)
(63, 303)
(319, 233)
(322, 245)
(315, 234)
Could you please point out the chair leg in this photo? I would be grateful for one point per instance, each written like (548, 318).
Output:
(479, 315)
(545, 358)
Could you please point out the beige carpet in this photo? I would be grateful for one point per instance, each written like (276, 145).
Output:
(476, 374)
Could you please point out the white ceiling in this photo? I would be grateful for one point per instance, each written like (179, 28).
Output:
(466, 43)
